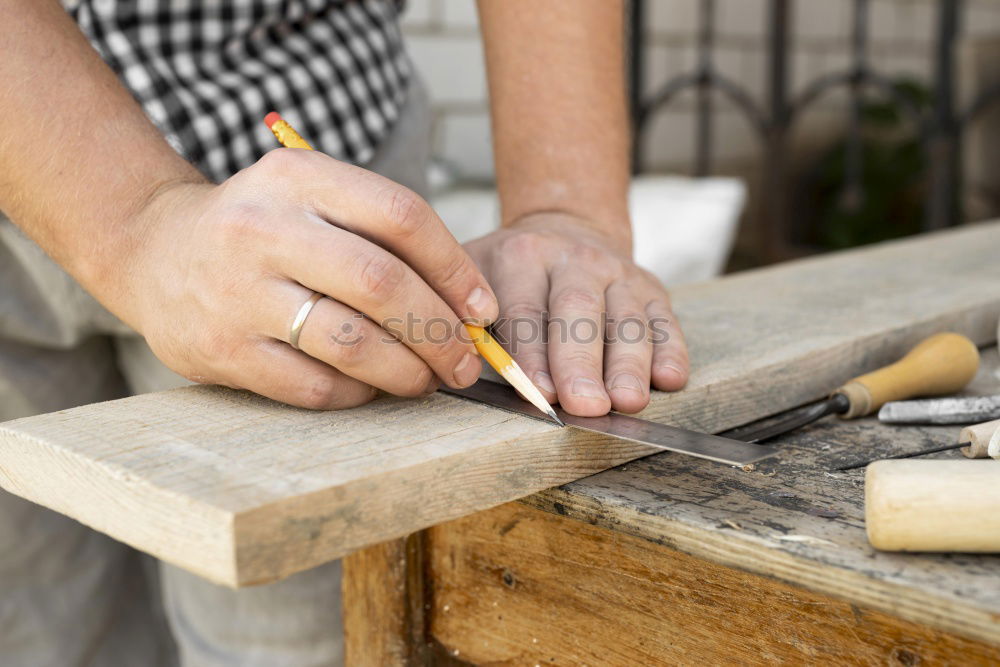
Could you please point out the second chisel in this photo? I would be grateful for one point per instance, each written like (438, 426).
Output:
(941, 364)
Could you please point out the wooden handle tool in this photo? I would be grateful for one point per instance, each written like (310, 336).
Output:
(978, 438)
(933, 505)
(993, 449)
(975, 442)
(939, 365)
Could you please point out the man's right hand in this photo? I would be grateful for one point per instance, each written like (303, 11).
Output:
(213, 276)
(216, 274)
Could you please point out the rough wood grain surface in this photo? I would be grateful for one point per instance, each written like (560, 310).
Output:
(242, 490)
(516, 586)
(796, 519)
(383, 603)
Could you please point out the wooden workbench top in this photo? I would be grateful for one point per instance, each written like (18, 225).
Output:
(242, 490)
(794, 517)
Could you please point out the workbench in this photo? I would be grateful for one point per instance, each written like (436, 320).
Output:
(675, 560)
(459, 547)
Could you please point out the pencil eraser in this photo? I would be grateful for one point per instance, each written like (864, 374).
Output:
(272, 118)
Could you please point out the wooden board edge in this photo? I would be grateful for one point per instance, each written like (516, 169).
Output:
(279, 539)
(731, 550)
(49, 472)
(255, 531)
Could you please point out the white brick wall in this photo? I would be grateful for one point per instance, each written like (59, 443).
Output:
(444, 42)
(452, 67)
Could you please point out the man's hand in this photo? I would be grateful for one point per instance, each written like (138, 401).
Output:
(218, 273)
(608, 324)
(213, 276)
(561, 141)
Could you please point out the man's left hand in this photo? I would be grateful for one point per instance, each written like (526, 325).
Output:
(609, 331)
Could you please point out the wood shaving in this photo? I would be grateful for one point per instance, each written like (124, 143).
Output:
(804, 539)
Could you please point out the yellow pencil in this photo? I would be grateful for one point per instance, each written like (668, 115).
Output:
(490, 350)
(503, 364)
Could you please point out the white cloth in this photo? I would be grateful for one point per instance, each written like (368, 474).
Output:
(683, 228)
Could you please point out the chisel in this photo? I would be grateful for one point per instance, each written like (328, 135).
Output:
(956, 410)
(654, 434)
(941, 364)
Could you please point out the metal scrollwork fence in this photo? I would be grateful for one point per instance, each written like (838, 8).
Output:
(940, 127)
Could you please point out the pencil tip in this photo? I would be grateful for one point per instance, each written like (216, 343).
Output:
(555, 417)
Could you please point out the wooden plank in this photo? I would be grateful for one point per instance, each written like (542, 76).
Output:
(516, 586)
(797, 519)
(242, 490)
(383, 604)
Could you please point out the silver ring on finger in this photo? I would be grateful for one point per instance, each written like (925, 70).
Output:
(300, 319)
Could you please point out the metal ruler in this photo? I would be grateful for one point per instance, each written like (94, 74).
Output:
(661, 436)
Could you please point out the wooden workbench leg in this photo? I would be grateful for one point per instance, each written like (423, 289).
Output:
(383, 604)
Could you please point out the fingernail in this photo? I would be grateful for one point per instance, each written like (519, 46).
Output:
(466, 372)
(544, 382)
(480, 304)
(587, 388)
(431, 387)
(674, 368)
(627, 381)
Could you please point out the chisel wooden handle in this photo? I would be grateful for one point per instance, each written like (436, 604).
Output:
(978, 437)
(933, 505)
(941, 364)
(993, 449)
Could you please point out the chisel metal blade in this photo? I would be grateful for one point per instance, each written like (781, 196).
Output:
(960, 410)
(791, 420)
(660, 436)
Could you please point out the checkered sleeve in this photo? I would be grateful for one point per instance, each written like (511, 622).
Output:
(206, 72)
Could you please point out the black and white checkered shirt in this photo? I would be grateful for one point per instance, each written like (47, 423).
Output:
(206, 71)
